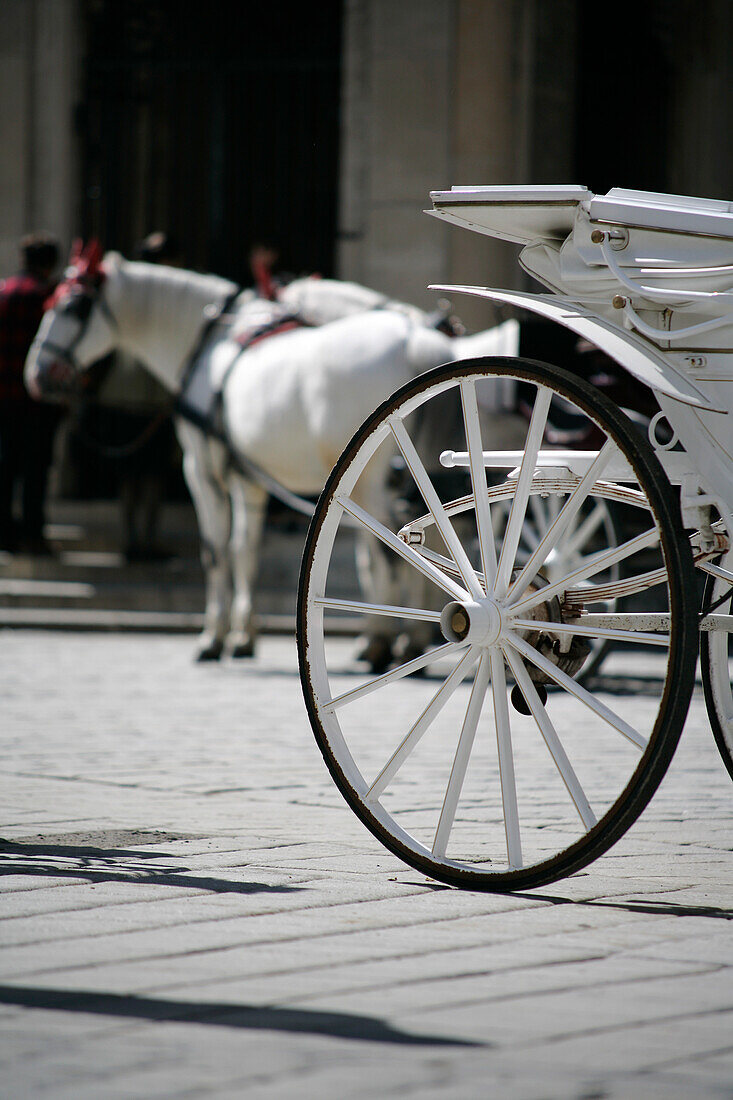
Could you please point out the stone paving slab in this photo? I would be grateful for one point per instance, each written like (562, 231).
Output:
(188, 909)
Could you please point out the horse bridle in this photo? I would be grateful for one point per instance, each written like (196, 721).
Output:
(79, 304)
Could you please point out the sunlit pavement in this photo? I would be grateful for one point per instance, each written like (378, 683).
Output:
(189, 909)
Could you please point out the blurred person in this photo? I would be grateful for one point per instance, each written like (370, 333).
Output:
(27, 427)
(262, 260)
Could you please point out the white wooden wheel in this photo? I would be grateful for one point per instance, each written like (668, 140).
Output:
(716, 659)
(497, 769)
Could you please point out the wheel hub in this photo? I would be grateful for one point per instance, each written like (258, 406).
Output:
(478, 622)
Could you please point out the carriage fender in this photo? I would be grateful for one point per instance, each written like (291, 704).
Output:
(639, 359)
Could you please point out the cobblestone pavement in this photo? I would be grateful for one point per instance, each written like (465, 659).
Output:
(188, 909)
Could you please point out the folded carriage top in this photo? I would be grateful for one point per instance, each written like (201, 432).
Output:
(518, 214)
(524, 214)
(660, 251)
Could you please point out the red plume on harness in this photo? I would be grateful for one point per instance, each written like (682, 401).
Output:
(84, 271)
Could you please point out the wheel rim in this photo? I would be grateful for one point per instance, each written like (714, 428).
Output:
(715, 662)
(445, 772)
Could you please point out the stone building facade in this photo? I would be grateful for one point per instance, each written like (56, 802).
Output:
(423, 94)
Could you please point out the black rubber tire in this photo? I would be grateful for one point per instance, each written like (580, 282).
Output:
(683, 647)
(723, 738)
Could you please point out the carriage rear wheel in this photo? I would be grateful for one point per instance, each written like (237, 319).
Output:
(715, 663)
(497, 769)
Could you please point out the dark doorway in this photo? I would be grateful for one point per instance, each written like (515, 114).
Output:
(217, 124)
(624, 93)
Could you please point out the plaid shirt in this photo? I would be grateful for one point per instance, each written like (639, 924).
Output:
(21, 309)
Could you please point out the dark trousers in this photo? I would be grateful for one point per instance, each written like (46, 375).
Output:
(26, 450)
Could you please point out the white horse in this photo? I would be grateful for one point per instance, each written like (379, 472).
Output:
(289, 403)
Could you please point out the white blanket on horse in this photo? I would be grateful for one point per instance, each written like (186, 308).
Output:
(318, 301)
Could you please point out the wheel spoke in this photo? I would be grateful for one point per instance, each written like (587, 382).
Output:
(389, 539)
(518, 510)
(405, 669)
(435, 505)
(600, 631)
(472, 426)
(594, 564)
(431, 712)
(577, 690)
(554, 745)
(506, 759)
(567, 513)
(462, 756)
(360, 608)
(716, 571)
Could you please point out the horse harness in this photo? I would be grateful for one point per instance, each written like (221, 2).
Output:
(211, 419)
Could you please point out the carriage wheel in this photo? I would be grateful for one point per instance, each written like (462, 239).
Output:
(715, 658)
(496, 769)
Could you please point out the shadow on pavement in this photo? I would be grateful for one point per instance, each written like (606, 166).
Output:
(116, 865)
(654, 908)
(338, 1025)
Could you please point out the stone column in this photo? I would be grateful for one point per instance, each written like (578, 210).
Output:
(39, 72)
(435, 93)
(396, 114)
(490, 134)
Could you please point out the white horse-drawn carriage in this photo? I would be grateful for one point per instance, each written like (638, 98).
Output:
(468, 775)
(464, 772)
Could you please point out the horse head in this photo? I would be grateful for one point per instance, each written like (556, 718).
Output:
(77, 329)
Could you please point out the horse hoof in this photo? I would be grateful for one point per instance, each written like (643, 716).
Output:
(210, 652)
(242, 649)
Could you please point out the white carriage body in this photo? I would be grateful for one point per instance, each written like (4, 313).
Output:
(646, 277)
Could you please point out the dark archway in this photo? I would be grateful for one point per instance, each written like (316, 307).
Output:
(217, 124)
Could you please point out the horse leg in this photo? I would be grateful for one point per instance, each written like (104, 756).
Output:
(202, 465)
(384, 578)
(378, 572)
(248, 512)
(373, 570)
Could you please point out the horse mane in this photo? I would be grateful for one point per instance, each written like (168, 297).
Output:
(161, 307)
(154, 286)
